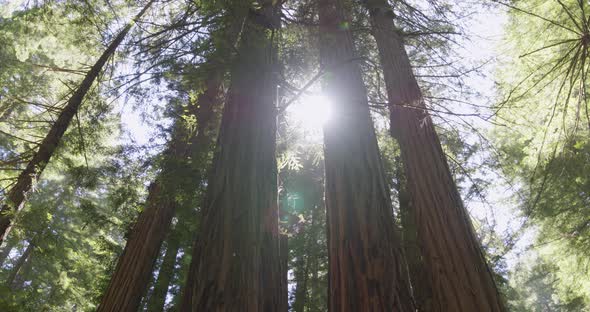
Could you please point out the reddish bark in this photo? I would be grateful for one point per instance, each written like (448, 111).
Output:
(236, 263)
(419, 276)
(157, 299)
(457, 269)
(134, 267)
(366, 269)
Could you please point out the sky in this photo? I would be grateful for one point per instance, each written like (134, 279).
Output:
(485, 32)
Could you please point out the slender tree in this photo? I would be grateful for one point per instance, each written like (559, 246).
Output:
(301, 276)
(302, 215)
(24, 257)
(366, 267)
(419, 277)
(158, 297)
(284, 278)
(134, 268)
(307, 258)
(17, 195)
(309, 189)
(6, 251)
(235, 264)
(458, 273)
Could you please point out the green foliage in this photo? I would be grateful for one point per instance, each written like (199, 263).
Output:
(88, 195)
(537, 285)
(543, 133)
(77, 235)
(91, 193)
(303, 220)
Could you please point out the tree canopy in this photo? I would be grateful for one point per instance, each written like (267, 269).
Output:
(294, 155)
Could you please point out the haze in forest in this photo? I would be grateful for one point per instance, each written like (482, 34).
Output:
(294, 155)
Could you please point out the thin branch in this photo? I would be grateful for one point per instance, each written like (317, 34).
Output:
(536, 15)
(567, 11)
(18, 138)
(547, 47)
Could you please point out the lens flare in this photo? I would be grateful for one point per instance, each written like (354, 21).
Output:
(312, 111)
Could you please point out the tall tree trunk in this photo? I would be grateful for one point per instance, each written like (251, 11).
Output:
(233, 29)
(419, 276)
(189, 284)
(284, 250)
(24, 274)
(315, 285)
(135, 265)
(316, 302)
(459, 275)
(366, 266)
(10, 281)
(236, 259)
(158, 298)
(301, 276)
(17, 195)
(133, 270)
(311, 193)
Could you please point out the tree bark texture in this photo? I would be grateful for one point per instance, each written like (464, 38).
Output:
(459, 275)
(158, 298)
(419, 277)
(17, 195)
(134, 268)
(366, 266)
(236, 264)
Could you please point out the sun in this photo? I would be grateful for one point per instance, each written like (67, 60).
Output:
(311, 112)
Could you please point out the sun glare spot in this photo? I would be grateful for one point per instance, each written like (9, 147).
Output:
(312, 111)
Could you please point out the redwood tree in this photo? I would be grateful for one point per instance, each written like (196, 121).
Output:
(419, 277)
(460, 278)
(17, 195)
(366, 267)
(235, 265)
(134, 267)
(157, 299)
(284, 276)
